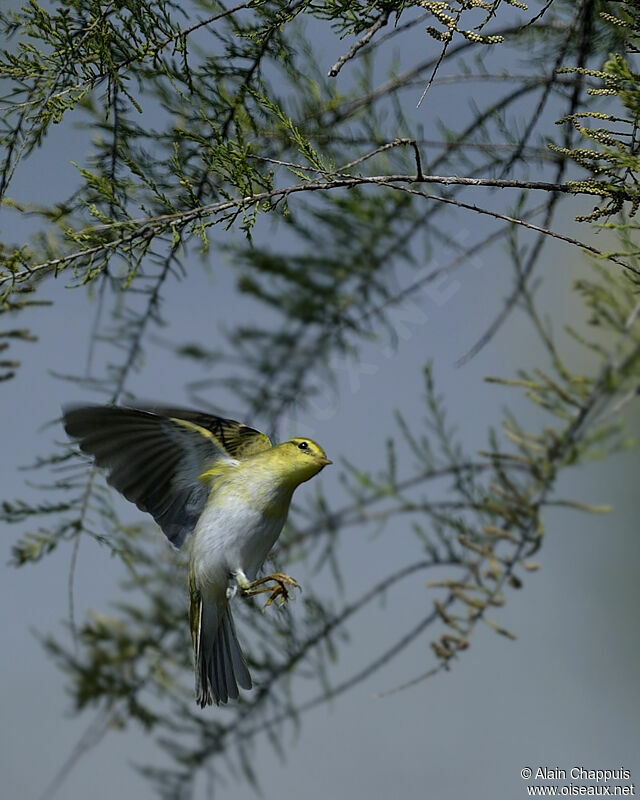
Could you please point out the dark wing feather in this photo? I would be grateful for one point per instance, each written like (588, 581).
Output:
(153, 460)
(238, 440)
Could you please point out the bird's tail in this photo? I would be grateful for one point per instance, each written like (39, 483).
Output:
(220, 665)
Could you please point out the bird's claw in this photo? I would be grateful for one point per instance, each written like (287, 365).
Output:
(280, 589)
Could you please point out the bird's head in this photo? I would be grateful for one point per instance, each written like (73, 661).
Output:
(301, 459)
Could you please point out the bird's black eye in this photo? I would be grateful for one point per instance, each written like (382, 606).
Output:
(303, 446)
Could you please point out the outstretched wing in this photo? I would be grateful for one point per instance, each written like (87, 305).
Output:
(152, 459)
(237, 439)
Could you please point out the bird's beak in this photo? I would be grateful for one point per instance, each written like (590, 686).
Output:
(324, 462)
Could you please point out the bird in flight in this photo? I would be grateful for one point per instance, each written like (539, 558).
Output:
(219, 480)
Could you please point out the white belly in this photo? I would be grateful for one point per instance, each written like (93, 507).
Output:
(232, 535)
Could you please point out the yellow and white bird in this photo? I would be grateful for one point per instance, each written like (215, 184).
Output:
(220, 480)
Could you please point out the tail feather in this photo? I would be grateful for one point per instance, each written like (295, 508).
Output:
(226, 679)
(240, 668)
(222, 682)
(220, 665)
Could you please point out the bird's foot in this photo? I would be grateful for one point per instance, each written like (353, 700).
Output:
(278, 591)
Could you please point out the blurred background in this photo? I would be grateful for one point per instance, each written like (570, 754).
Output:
(563, 694)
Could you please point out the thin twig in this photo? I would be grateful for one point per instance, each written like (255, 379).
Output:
(555, 455)
(400, 81)
(546, 231)
(379, 23)
(144, 53)
(154, 226)
(549, 85)
(441, 57)
(9, 172)
(524, 276)
(388, 146)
